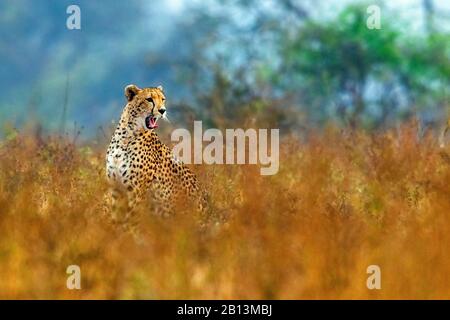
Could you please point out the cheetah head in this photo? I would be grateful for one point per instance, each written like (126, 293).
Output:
(146, 106)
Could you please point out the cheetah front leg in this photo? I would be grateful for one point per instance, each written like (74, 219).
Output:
(134, 199)
(131, 222)
(123, 208)
(118, 203)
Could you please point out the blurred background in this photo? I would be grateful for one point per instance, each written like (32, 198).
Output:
(287, 64)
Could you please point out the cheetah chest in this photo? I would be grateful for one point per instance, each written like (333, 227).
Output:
(118, 164)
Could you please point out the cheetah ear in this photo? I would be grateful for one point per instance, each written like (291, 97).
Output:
(130, 91)
(160, 87)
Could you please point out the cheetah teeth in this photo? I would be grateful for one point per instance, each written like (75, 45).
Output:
(150, 122)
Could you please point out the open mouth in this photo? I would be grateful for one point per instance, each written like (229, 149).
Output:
(150, 122)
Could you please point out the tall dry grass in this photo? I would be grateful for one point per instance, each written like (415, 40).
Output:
(340, 202)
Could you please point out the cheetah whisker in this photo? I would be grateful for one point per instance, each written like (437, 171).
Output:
(164, 117)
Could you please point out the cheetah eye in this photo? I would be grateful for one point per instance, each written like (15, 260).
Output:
(150, 100)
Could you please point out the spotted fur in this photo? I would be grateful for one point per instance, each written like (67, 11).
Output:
(140, 166)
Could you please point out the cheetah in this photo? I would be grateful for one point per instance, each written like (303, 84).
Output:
(139, 166)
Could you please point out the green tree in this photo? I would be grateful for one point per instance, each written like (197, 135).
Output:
(342, 69)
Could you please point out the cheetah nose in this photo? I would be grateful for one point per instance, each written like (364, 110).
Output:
(162, 111)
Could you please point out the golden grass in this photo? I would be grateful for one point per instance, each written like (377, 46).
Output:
(340, 203)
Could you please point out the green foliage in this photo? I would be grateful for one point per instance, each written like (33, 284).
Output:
(328, 68)
(348, 71)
